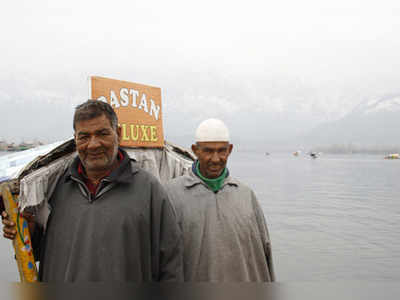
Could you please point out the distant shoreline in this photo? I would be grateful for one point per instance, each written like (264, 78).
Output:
(343, 149)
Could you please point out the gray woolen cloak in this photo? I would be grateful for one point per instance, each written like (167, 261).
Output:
(127, 232)
(225, 235)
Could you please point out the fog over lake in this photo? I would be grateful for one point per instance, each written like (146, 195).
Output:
(273, 71)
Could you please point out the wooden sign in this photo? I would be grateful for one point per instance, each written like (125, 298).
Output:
(138, 108)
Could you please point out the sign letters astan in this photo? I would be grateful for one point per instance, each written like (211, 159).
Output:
(138, 108)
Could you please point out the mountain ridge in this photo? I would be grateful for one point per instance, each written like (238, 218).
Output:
(371, 122)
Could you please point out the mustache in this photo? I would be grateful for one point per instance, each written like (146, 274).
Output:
(95, 152)
(216, 164)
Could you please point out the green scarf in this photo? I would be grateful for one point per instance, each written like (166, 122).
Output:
(215, 183)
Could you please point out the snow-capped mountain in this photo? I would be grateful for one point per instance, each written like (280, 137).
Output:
(389, 103)
(372, 122)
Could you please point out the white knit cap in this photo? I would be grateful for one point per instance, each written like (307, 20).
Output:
(212, 130)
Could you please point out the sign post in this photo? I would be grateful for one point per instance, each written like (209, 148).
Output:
(138, 108)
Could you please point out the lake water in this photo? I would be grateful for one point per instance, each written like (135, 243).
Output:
(334, 218)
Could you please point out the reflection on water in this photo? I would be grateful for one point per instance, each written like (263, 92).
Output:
(333, 218)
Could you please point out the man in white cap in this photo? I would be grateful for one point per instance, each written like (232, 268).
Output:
(224, 231)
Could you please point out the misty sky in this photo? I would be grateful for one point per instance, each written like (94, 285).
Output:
(269, 67)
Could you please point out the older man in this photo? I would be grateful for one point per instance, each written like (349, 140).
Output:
(224, 231)
(110, 220)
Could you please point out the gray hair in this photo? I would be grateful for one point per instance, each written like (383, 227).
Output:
(95, 108)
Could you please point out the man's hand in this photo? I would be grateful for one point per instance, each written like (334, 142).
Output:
(9, 229)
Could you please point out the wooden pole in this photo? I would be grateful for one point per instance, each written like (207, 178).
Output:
(22, 243)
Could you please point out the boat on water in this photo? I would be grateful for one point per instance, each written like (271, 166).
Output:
(393, 156)
(12, 147)
(11, 164)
